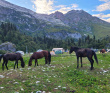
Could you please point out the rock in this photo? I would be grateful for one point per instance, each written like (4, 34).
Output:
(8, 46)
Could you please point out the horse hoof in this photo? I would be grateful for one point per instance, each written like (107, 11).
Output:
(91, 68)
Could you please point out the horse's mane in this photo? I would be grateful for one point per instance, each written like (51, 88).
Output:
(76, 47)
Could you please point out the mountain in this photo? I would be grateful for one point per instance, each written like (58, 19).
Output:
(32, 23)
(83, 22)
(75, 23)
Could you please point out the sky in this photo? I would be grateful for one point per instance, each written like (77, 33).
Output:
(98, 8)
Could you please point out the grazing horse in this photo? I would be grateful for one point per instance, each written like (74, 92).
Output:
(12, 57)
(102, 51)
(84, 52)
(38, 55)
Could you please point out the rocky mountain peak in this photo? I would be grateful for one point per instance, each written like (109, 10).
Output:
(57, 15)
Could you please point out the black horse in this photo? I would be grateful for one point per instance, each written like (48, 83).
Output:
(84, 52)
(12, 57)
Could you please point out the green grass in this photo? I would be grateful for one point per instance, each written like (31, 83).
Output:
(101, 31)
(59, 77)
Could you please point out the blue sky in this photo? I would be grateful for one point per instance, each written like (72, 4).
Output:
(98, 8)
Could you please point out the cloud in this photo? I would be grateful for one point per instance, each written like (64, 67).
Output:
(103, 16)
(64, 8)
(104, 0)
(103, 7)
(43, 6)
(47, 7)
(108, 20)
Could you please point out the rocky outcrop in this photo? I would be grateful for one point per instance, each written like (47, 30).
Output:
(8, 47)
(64, 35)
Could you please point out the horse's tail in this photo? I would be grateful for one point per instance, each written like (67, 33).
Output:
(49, 57)
(1, 57)
(95, 56)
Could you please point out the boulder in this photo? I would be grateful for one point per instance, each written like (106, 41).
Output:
(8, 46)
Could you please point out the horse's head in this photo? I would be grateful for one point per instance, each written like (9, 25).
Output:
(71, 50)
(30, 62)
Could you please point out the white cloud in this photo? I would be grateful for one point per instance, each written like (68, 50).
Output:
(47, 7)
(74, 5)
(103, 7)
(108, 20)
(104, 0)
(43, 6)
(103, 16)
(64, 8)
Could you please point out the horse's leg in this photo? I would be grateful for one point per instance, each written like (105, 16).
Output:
(3, 65)
(91, 61)
(77, 62)
(36, 62)
(46, 60)
(6, 65)
(15, 64)
(81, 61)
(92, 64)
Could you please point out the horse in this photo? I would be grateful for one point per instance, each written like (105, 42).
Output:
(12, 57)
(84, 52)
(102, 51)
(38, 55)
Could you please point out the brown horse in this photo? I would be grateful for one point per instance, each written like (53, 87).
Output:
(84, 52)
(12, 57)
(102, 51)
(38, 55)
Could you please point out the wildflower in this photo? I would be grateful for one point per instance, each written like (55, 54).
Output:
(59, 86)
(64, 87)
(37, 82)
(43, 92)
(15, 83)
(29, 68)
(22, 89)
(1, 76)
(1, 87)
(39, 92)
(55, 88)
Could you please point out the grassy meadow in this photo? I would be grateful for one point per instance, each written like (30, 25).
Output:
(61, 76)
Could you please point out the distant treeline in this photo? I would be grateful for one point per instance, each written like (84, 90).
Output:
(9, 32)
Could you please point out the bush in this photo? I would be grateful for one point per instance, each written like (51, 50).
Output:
(2, 51)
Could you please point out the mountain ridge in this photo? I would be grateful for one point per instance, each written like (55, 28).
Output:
(4, 3)
(74, 23)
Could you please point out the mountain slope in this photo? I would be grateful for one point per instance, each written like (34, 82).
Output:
(43, 17)
(83, 22)
(32, 23)
(75, 23)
